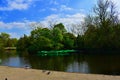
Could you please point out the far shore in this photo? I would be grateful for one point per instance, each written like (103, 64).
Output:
(11, 73)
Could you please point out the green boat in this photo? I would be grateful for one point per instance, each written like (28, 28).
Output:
(55, 52)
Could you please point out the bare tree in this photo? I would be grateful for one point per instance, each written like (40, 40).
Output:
(51, 24)
(36, 25)
(105, 13)
(76, 29)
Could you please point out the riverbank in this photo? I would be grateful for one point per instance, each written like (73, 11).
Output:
(32, 74)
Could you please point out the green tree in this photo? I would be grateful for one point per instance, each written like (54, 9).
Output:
(40, 39)
(23, 43)
(61, 27)
(57, 35)
(58, 32)
(69, 41)
(41, 43)
(4, 37)
(79, 42)
(12, 42)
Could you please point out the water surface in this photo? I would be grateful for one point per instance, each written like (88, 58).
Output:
(81, 63)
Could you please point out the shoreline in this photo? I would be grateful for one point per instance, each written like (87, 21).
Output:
(12, 73)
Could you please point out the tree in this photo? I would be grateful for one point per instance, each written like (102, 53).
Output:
(79, 42)
(40, 39)
(77, 29)
(23, 43)
(69, 41)
(100, 27)
(58, 32)
(57, 35)
(61, 27)
(6, 41)
(105, 14)
(4, 37)
(41, 43)
(12, 42)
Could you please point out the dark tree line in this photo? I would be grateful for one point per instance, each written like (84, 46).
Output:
(102, 31)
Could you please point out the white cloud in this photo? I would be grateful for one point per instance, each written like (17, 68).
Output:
(62, 8)
(12, 25)
(73, 19)
(53, 9)
(14, 35)
(65, 8)
(42, 10)
(26, 26)
(66, 20)
(16, 29)
(52, 17)
(53, 2)
(16, 5)
(69, 21)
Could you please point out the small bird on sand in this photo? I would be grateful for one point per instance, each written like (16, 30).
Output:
(48, 73)
(27, 67)
(6, 79)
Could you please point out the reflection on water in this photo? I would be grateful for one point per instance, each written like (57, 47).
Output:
(10, 58)
(78, 67)
(14, 61)
(94, 63)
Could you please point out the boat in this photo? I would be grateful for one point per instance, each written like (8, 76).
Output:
(55, 52)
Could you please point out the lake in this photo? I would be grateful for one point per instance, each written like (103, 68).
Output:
(80, 63)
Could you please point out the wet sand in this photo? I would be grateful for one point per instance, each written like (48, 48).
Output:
(32, 74)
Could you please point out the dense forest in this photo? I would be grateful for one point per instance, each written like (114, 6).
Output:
(101, 31)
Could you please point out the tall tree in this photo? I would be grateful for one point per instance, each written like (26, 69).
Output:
(100, 27)
(57, 35)
(105, 13)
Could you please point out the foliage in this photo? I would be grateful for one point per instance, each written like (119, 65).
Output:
(6, 41)
(101, 31)
(47, 39)
(69, 41)
(23, 43)
(102, 28)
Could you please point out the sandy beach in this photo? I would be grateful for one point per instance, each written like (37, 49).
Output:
(32, 74)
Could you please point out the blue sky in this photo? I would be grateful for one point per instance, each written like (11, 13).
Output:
(17, 16)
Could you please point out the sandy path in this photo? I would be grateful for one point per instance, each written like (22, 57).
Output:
(32, 74)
